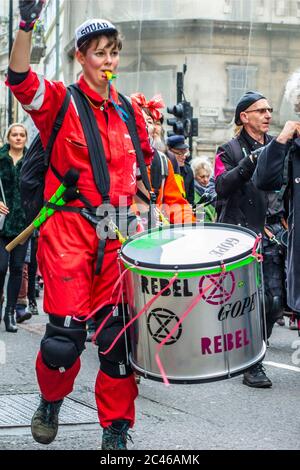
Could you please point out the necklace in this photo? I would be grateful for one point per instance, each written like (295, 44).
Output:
(101, 106)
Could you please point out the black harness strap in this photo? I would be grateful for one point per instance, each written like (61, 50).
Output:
(63, 208)
(97, 156)
(56, 173)
(143, 197)
(156, 172)
(56, 127)
(94, 142)
(131, 126)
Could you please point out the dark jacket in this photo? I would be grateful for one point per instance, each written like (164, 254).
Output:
(10, 176)
(188, 178)
(239, 202)
(269, 175)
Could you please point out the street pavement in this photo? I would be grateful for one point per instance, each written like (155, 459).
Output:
(217, 415)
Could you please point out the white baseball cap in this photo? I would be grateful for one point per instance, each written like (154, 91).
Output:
(91, 28)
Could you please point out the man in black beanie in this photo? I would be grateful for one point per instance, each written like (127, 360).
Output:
(244, 103)
(241, 203)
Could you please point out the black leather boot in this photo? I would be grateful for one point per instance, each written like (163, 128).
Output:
(1, 306)
(10, 320)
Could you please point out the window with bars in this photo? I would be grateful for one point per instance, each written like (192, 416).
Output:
(151, 9)
(243, 10)
(281, 8)
(240, 79)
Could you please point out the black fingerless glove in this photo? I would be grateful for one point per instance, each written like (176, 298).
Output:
(30, 11)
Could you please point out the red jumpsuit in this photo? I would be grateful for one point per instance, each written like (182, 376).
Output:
(68, 243)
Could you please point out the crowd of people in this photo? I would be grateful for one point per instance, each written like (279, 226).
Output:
(79, 270)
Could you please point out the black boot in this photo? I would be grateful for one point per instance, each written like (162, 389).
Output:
(44, 423)
(115, 437)
(1, 305)
(256, 377)
(21, 314)
(10, 320)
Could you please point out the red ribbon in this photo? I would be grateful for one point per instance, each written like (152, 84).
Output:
(153, 105)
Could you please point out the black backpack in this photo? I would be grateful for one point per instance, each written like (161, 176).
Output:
(36, 160)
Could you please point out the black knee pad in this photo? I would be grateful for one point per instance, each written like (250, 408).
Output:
(115, 363)
(61, 346)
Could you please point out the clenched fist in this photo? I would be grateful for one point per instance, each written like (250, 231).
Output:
(30, 11)
(291, 130)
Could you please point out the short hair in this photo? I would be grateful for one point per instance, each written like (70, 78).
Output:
(9, 129)
(200, 163)
(114, 39)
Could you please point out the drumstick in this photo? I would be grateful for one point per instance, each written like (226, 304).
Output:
(38, 221)
(67, 191)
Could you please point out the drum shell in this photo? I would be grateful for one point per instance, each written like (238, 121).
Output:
(221, 337)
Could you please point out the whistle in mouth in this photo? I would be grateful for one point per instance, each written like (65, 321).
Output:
(109, 75)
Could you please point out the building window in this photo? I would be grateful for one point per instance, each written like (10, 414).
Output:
(243, 10)
(50, 64)
(227, 6)
(281, 7)
(49, 14)
(240, 79)
(260, 7)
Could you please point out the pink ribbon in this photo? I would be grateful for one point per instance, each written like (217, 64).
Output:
(148, 304)
(169, 335)
(107, 302)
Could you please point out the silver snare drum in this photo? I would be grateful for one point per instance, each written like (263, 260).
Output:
(223, 335)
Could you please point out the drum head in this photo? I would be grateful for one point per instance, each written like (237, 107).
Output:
(189, 247)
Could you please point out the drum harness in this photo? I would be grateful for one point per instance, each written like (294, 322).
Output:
(271, 236)
(158, 174)
(93, 214)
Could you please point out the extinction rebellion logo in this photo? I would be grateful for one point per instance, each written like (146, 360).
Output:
(160, 322)
(221, 290)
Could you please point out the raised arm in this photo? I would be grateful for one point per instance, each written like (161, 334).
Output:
(268, 175)
(20, 55)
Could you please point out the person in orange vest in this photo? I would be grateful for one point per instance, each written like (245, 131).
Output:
(178, 152)
(171, 206)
